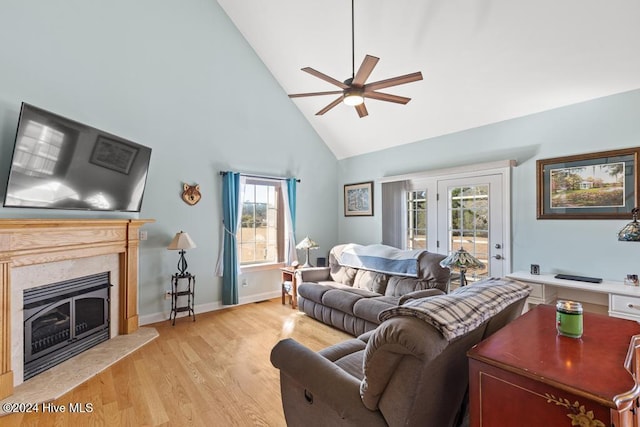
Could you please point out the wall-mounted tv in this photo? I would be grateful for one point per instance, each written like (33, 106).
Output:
(62, 164)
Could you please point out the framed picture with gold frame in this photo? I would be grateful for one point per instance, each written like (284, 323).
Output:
(358, 199)
(601, 185)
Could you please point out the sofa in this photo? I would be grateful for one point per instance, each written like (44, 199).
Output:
(350, 293)
(411, 370)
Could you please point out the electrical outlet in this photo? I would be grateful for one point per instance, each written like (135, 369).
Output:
(245, 283)
(167, 295)
(143, 235)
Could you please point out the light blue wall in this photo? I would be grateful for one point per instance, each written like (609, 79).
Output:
(178, 77)
(585, 247)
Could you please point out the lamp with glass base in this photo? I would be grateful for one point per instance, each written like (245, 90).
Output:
(631, 231)
(462, 261)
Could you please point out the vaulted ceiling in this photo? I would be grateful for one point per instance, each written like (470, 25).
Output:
(483, 61)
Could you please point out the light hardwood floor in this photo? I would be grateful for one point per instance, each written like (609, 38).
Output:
(212, 372)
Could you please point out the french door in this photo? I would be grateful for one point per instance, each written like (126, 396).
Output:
(471, 215)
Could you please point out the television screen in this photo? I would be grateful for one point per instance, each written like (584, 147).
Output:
(62, 164)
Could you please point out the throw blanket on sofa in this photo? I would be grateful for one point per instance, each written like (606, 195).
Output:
(382, 259)
(464, 309)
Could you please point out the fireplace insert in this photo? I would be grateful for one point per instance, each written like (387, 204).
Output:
(64, 319)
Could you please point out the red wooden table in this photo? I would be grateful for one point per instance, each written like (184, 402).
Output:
(527, 375)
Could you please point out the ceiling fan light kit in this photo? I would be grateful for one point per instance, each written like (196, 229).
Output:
(353, 97)
(354, 90)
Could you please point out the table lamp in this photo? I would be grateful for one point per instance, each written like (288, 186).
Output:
(461, 260)
(307, 244)
(181, 242)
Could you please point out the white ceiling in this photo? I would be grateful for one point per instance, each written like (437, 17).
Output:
(483, 61)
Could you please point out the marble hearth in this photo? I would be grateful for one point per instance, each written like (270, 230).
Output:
(34, 252)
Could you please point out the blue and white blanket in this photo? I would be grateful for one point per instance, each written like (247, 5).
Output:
(382, 259)
(464, 309)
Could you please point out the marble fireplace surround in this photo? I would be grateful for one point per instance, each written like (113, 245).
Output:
(29, 242)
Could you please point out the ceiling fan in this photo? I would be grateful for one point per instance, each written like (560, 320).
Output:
(355, 89)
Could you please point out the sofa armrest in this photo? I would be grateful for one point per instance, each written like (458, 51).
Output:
(315, 274)
(419, 294)
(322, 378)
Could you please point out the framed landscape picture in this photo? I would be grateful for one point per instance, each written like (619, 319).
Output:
(358, 199)
(600, 185)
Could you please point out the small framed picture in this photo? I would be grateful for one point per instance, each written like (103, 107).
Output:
(358, 199)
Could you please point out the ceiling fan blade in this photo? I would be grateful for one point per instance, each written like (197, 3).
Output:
(329, 107)
(387, 97)
(299, 95)
(365, 70)
(324, 77)
(362, 110)
(394, 81)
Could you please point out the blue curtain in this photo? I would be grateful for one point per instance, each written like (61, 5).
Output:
(288, 188)
(291, 193)
(230, 196)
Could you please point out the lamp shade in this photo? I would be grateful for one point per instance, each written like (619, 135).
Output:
(307, 243)
(461, 260)
(181, 241)
(631, 231)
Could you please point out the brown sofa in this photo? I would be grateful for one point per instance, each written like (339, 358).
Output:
(409, 371)
(351, 299)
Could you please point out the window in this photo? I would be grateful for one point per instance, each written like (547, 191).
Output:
(416, 219)
(261, 231)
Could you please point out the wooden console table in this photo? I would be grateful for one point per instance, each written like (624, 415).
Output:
(527, 375)
(614, 298)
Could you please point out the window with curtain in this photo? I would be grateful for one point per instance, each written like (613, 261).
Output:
(261, 234)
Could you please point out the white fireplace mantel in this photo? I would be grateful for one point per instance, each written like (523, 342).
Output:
(37, 241)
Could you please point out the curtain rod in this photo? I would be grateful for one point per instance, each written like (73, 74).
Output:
(279, 178)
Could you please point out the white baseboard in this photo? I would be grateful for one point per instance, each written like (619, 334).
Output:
(210, 306)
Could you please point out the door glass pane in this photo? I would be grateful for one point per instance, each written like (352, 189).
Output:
(469, 225)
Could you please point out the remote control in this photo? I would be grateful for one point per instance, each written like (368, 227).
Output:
(579, 278)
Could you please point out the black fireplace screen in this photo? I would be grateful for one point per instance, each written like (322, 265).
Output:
(63, 319)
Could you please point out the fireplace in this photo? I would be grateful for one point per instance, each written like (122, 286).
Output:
(40, 247)
(64, 319)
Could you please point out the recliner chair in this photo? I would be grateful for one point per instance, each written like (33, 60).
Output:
(403, 373)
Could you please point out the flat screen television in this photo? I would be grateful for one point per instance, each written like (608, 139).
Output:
(58, 163)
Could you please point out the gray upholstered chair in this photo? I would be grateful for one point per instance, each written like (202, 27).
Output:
(410, 371)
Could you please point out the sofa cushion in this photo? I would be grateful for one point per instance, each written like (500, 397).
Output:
(352, 363)
(345, 299)
(398, 286)
(370, 308)
(371, 281)
(313, 291)
(431, 271)
(344, 275)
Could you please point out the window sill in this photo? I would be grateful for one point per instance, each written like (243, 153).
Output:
(261, 267)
